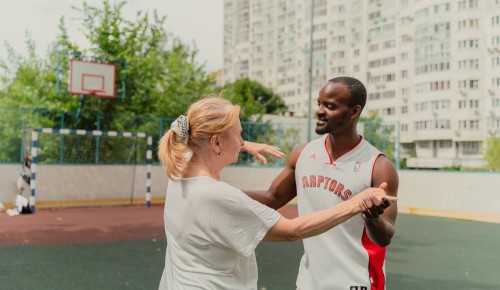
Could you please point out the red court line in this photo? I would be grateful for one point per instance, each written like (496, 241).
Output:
(88, 225)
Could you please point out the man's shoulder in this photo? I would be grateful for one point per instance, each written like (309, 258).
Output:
(320, 141)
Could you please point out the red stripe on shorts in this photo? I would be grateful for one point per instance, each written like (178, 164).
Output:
(376, 256)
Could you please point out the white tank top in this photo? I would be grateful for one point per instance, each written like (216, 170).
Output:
(343, 258)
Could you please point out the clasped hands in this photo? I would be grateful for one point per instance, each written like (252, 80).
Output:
(373, 201)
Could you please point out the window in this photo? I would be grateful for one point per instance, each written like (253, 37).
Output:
(466, 4)
(445, 143)
(470, 23)
(470, 84)
(319, 44)
(495, 20)
(470, 147)
(468, 43)
(495, 61)
(338, 39)
(424, 144)
(390, 43)
(473, 103)
(389, 94)
(338, 54)
(338, 70)
(495, 102)
(388, 111)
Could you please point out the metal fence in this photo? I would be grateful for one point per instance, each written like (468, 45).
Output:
(15, 125)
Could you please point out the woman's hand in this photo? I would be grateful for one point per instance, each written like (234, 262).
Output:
(257, 149)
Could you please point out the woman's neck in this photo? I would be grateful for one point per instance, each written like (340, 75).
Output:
(199, 167)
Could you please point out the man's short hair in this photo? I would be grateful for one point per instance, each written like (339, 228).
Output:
(356, 88)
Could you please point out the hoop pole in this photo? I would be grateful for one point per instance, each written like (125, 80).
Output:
(34, 161)
(79, 110)
(149, 157)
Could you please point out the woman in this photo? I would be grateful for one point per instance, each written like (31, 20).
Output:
(213, 228)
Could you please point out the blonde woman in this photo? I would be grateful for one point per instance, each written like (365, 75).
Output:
(213, 228)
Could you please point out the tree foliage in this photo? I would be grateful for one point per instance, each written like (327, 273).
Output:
(161, 75)
(492, 154)
(254, 98)
(158, 75)
(379, 135)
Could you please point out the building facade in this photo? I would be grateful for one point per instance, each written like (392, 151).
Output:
(432, 66)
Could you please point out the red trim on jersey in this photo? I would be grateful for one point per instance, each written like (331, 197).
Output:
(326, 149)
(373, 167)
(331, 159)
(376, 257)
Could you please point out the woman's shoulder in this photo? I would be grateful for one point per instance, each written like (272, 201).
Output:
(216, 189)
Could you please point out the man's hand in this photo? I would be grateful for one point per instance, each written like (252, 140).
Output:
(257, 149)
(374, 201)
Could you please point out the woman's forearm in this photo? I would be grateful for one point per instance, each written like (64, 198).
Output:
(312, 224)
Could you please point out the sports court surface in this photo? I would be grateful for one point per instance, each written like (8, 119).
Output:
(124, 247)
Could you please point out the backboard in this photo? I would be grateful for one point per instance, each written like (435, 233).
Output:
(92, 78)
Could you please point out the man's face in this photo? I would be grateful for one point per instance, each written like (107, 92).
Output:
(333, 113)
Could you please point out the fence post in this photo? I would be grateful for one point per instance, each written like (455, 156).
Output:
(23, 122)
(34, 161)
(97, 138)
(61, 141)
(149, 158)
(398, 162)
(278, 141)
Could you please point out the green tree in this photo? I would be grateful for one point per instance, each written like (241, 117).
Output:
(379, 135)
(254, 98)
(160, 74)
(492, 154)
(161, 77)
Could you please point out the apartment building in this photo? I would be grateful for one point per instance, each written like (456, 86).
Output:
(431, 66)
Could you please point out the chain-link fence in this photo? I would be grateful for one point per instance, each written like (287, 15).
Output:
(15, 124)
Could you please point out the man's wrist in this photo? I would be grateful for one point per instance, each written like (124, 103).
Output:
(372, 220)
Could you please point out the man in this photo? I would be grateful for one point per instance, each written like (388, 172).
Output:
(328, 171)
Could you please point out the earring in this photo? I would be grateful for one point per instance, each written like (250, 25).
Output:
(218, 154)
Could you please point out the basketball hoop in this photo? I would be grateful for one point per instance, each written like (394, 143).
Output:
(92, 78)
(92, 92)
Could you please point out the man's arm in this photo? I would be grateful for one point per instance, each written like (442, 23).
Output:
(282, 189)
(381, 228)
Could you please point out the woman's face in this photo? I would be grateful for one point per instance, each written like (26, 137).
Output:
(231, 143)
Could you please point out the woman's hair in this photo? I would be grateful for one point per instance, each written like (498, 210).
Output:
(207, 117)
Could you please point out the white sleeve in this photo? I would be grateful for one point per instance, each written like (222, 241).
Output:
(238, 222)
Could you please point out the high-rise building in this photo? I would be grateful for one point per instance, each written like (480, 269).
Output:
(431, 65)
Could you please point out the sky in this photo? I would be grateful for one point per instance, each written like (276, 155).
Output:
(194, 21)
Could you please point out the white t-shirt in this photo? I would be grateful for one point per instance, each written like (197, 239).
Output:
(212, 231)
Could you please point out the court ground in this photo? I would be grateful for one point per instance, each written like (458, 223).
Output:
(124, 247)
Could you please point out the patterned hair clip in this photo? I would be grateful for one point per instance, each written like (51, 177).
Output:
(181, 127)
